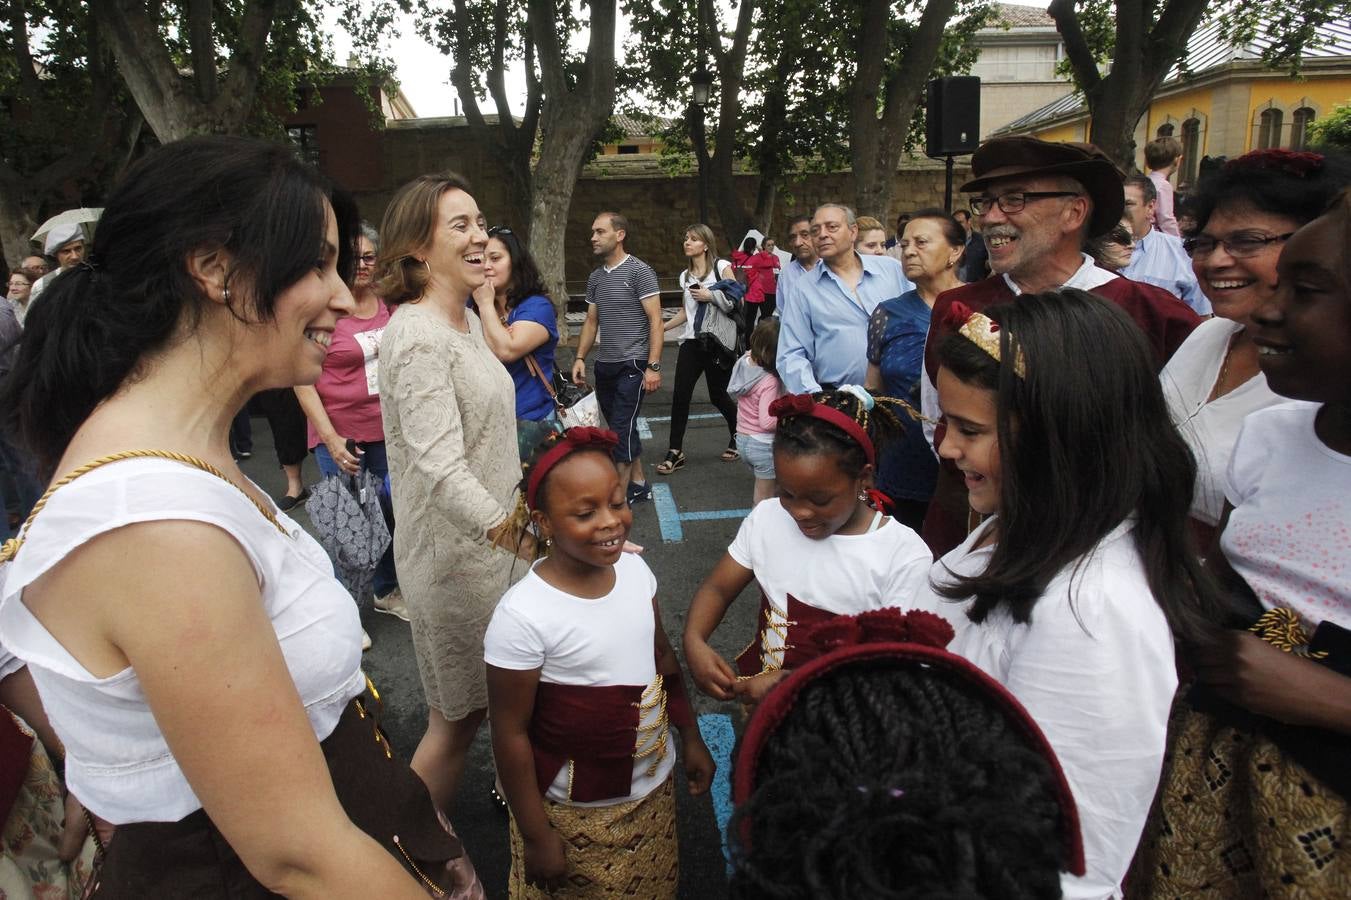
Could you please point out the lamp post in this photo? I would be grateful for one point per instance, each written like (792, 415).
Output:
(701, 87)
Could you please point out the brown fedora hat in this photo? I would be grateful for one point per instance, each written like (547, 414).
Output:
(1008, 157)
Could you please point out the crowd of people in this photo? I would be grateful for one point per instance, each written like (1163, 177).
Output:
(1049, 538)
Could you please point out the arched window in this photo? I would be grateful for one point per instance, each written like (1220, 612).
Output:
(1191, 151)
(1165, 130)
(1269, 128)
(1300, 121)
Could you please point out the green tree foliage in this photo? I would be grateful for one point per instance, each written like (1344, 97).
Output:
(223, 66)
(1334, 129)
(66, 128)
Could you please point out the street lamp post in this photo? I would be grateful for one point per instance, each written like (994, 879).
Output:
(701, 87)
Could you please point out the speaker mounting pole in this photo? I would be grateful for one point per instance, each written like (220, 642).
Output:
(951, 122)
(947, 186)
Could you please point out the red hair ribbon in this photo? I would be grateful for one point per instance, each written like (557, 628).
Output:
(804, 405)
(568, 442)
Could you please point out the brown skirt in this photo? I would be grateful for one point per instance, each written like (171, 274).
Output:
(378, 791)
(626, 850)
(1237, 817)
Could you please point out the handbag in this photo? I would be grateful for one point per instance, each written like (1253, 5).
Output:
(576, 405)
(1249, 806)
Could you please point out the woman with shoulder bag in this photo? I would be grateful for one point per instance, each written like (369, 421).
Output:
(694, 358)
(521, 328)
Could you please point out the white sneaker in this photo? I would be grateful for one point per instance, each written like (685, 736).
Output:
(365, 641)
(393, 604)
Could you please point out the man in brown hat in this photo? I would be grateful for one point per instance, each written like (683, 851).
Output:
(1037, 202)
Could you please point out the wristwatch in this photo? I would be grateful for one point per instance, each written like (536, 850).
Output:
(655, 367)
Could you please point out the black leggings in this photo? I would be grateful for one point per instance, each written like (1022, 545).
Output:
(287, 421)
(691, 362)
(761, 311)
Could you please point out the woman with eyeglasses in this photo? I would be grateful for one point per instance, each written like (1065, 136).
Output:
(1244, 215)
(520, 325)
(17, 292)
(345, 430)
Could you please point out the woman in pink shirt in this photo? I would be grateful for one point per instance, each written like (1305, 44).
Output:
(346, 432)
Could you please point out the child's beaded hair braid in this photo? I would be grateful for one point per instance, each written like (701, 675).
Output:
(801, 434)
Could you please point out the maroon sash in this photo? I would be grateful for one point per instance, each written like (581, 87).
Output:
(800, 616)
(592, 727)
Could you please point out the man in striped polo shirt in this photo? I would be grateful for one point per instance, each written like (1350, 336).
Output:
(624, 302)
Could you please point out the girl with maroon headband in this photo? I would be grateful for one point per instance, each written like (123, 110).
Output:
(822, 548)
(583, 687)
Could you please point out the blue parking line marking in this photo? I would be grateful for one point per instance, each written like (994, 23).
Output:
(708, 514)
(668, 515)
(645, 426)
(720, 738)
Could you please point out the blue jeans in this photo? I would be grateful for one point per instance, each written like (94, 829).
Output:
(374, 461)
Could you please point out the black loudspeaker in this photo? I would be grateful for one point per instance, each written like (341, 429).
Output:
(952, 116)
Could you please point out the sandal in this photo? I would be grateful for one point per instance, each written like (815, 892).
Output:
(675, 459)
(730, 455)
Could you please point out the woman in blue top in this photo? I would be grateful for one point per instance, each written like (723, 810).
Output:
(525, 324)
(931, 250)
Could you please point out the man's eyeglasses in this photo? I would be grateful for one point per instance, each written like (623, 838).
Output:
(367, 259)
(1240, 244)
(499, 229)
(1014, 201)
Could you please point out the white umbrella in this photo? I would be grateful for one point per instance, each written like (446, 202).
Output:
(69, 217)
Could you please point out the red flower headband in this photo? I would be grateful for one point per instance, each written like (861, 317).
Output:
(804, 405)
(567, 443)
(1299, 163)
(983, 331)
(900, 638)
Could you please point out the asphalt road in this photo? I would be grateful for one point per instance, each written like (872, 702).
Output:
(704, 498)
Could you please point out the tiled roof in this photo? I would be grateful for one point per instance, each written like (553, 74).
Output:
(638, 126)
(1016, 16)
(1205, 51)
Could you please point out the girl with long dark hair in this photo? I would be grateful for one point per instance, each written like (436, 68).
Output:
(520, 324)
(1071, 592)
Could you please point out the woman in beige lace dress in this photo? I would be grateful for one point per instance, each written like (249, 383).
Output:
(450, 431)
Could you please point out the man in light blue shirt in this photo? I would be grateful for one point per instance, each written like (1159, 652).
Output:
(804, 255)
(1159, 258)
(823, 336)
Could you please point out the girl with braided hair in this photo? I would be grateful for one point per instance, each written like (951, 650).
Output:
(583, 688)
(824, 548)
(1071, 592)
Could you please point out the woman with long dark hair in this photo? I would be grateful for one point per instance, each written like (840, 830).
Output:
(520, 325)
(1071, 592)
(189, 640)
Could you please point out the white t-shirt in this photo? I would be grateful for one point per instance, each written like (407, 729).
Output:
(1210, 428)
(688, 281)
(843, 574)
(1289, 535)
(1094, 667)
(117, 761)
(574, 640)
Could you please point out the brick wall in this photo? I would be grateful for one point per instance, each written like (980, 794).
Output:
(659, 206)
